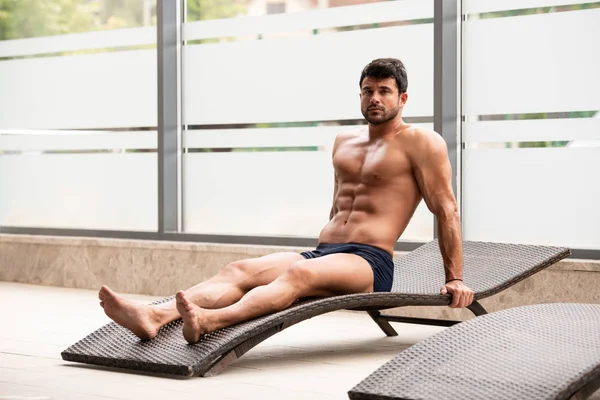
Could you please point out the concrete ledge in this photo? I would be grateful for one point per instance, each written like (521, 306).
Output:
(161, 268)
(130, 266)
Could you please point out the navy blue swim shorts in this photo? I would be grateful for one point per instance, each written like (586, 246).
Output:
(381, 261)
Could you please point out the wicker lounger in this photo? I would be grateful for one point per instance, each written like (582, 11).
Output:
(488, 268)
(545, 351)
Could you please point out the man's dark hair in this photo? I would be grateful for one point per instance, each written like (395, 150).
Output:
(383, 68)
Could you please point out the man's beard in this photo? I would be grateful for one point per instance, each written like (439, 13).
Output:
(382, 117)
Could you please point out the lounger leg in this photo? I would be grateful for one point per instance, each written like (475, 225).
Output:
(477, 308)
(382, 323)
(221, 364)
(227, 358)
(382, 319)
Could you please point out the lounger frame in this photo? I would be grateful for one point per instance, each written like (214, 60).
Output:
(382, 320)
(489, 268)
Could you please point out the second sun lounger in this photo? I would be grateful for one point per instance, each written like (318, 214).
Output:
(488, 269)
(538, 352)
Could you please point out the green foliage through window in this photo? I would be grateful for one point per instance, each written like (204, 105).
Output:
(34, 18)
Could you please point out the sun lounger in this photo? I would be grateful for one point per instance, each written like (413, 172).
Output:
(488, 269)
(538, 352)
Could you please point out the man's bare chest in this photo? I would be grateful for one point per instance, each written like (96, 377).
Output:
(375, 163)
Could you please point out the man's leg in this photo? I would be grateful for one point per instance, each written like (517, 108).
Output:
(224, 289)
(320, 277)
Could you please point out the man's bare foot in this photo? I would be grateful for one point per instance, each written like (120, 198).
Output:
(194, 323)
(140, 319)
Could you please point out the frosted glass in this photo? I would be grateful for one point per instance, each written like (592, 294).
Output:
(480, 6)
(106, 90)
(268, 193)
(260, 137)
(269, 137)
(309, 79)
(258, 193)
(537, 63)
(315, 19)
(71, 140)
(546, 196)
(78, 41)
(532, 130)
(85, 191)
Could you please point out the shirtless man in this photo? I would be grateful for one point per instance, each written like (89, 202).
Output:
(381, 175)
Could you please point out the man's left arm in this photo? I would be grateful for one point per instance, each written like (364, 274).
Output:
(434, 176)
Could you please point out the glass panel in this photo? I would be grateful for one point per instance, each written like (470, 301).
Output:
(300, 78)
(260, 26)
(532, 130)
(258, 193)
(537, 63)
(44, 141)
(78, 41)
(197, 10)
(535, 130)
(61, 68)
(286, 188)
(266, 87)
(106, 90)
(266, 138)
(481, 6)
(79, 186)
(546, 196)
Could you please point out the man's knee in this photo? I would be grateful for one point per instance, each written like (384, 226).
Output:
(236, 271)
(300, 275)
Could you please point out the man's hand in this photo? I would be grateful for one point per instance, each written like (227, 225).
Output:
(462, 296)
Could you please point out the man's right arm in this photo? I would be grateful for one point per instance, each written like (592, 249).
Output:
(433, 173)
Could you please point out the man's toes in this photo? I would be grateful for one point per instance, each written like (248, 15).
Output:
(107, 292)
(184, 300)
(189, 309)
(181, 303)
(181, 306)
(104, 293)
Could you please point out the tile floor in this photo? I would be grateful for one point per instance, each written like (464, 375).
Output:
(321, 358)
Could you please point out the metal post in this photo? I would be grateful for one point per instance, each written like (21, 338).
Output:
(446, 84)
(168, 49)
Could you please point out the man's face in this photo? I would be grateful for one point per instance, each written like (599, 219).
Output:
(379, 100)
